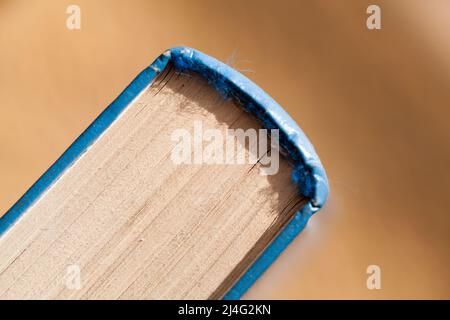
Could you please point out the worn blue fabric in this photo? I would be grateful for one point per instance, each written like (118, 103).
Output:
(308, 172)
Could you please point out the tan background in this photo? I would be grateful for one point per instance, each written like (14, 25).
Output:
(374, 103)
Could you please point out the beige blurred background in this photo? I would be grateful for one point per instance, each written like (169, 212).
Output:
(374, 103)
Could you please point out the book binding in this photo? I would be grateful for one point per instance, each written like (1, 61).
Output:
(308, 172)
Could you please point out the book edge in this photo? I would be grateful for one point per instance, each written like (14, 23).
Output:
(308, 172)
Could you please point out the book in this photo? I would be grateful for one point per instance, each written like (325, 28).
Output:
(186, 187)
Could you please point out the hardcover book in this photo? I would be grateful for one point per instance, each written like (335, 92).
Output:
(186, 187)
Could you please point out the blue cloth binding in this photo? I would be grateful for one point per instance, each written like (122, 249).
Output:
(308, 172)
